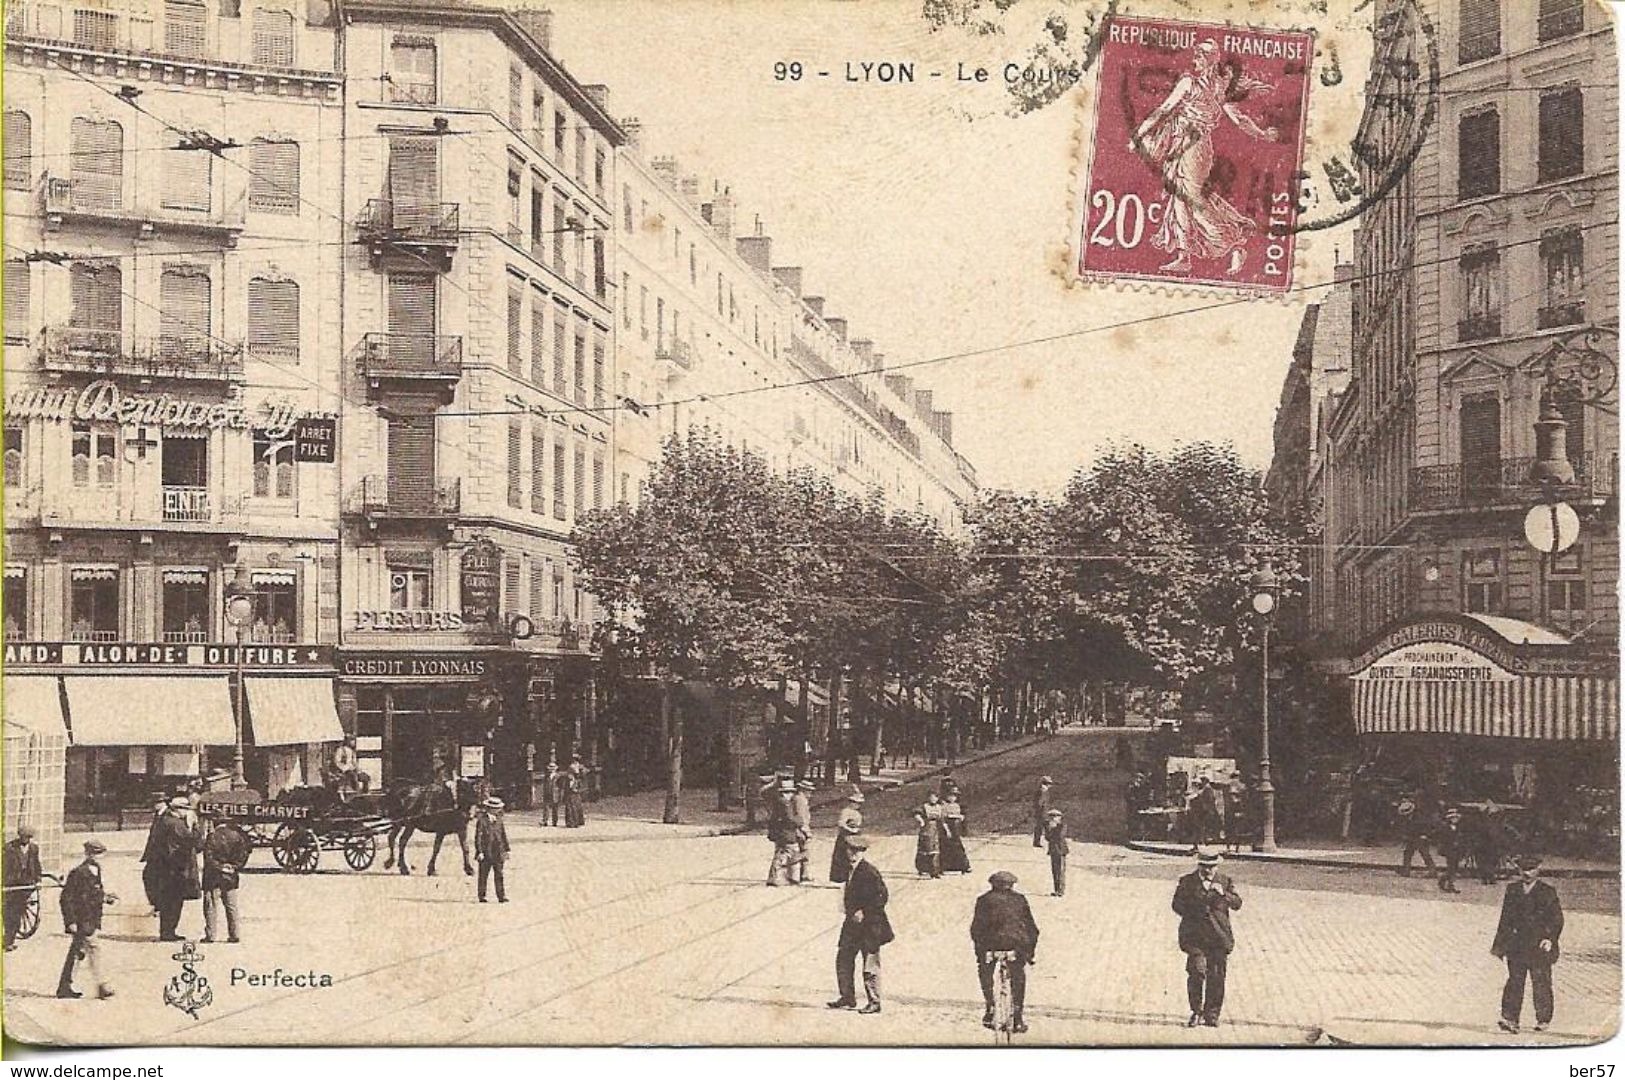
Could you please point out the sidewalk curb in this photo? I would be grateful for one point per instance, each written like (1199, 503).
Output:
(1185, 850)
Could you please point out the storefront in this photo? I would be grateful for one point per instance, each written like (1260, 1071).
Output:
(143, 716)
(1490, 709)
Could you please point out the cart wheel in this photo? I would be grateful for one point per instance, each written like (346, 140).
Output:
(360, 849)
(30, 919)
(296, 848)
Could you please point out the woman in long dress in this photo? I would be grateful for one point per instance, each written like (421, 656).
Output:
(1177, 141)
(928, 853)
(954, 859)
(848, 823)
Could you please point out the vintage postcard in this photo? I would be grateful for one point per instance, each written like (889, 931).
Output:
(952, 523)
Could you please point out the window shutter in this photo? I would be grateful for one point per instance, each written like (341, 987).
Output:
(559, 332)
(187, 179)
(273, 38)
(412, 321)
(273, 318)
(414, 182)
(510, 585)
(538, 339)
(581, 366)
(558, 480)
(17, 287)
(97, 163)
(1480, 29)
(516, 96)
(96, 297)
(185, 28)
(273, 182)
(598, 481)
(412, 71)
(598, 373)
(538, 591)
(1478, 148)
(516, 466)
(411, 461)
(516, 322)
(1562, 134)
(580, 463)
(1573, 410)
(538, 474)
(1480, 443)
(183, 322)
(98, 29)
(19, 150)
(1560, 18)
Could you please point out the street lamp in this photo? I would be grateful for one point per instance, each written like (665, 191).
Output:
(239, 614)
(1264, 585)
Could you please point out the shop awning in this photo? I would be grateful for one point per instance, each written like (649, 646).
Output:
(32, 702)
(150, 710)
(288, 711)
(817, 696)
(1477, 675)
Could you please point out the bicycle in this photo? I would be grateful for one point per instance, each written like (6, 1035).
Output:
(1004, 1011)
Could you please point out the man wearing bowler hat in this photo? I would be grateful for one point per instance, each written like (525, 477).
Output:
(1203, 901)
(1004, 922)
(1531, 923)
(865, 930)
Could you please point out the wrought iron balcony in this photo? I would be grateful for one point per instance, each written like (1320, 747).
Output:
(406, 502)
(678, 352)
(1561, 315)
(410, 360)
(186, 503)
(1478, 327)
(64, 200)
(410, 234)
(406, 92)
(1503, 483)
(112, 353)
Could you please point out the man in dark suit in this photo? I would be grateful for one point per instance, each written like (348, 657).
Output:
(1040, 808)
(178, 879)
(1203, 901)
(865, 930)
(22, 873)
(1531, 923)
(82, 900)
(1003, 922)
(1452, 846)
(1055, 838)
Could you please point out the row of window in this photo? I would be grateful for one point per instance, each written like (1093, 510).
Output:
(536, 586)
(97, 173)
(96, 311)
(1559, 146)
(187, 613)
(569, 240)
(1562, 297)
(569, 475)
(273, 30)
(98, 454)
(567, 358)
(1480, 22)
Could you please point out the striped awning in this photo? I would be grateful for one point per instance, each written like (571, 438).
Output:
(1446, 676)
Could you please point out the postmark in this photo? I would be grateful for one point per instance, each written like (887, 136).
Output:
(1197, 155)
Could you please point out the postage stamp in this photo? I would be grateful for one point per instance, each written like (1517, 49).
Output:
(1198, 144)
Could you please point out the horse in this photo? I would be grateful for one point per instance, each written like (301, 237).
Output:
(412, 806)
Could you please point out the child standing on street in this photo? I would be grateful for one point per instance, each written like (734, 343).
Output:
(491, 847)
(1055, 837)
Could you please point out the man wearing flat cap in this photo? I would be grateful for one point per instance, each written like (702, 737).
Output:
(1203, 901)
(82, 899)
(1531, 923)
(865, 930)
(1003, 922)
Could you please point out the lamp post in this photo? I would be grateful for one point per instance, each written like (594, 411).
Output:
(239, 614)
(1264, 584)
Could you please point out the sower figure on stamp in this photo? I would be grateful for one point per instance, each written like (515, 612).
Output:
(1531, 923)
(491, 848)
(82, 900)
(22, 874)
(1203, 901)
(865, 930)
(1004, 922)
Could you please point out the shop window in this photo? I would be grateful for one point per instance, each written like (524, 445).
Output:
(93, 604)
(15, 603)
(13, 467)
(1566, 589)
(274, 470)
(276, 607)
(187, 606)
(409, 588)
(95, 455)
(412, 71)
(1481, 581)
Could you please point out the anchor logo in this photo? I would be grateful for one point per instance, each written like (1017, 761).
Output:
(188, 991)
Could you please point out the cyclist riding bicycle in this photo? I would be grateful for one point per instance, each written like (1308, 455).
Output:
(1004, 923)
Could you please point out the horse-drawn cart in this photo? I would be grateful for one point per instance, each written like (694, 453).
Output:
(301, 823)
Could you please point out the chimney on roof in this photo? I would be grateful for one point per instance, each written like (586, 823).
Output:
(878, 361)
(865, 351)
(789, 277)
(599, 94)
(922, 402)
(665, 167)
(690, 189)
(837, 325)
(757, 251)
(722, 214)
(902, 386)
(538, 23)
(1343, 272)
(945, 426)
(816, 303)
(634, 133)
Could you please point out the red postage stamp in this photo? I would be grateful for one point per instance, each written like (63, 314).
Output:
(1198, 144)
